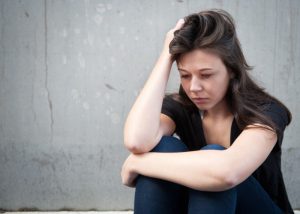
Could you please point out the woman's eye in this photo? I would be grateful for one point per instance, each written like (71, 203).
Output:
(184, 76)
(205, 76)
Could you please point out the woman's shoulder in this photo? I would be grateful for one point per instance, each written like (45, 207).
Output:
(275, 107)
(170, 103)
(175, 108)
(277, 112)
(177, 101)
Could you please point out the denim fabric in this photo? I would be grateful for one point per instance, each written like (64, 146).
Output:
(155, 196)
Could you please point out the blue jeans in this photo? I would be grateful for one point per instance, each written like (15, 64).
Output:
(155, 196)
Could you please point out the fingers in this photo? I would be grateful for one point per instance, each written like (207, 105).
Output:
(127, 175)
(170, 35)
(179, 24)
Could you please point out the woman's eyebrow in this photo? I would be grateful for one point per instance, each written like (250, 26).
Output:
(202, 69)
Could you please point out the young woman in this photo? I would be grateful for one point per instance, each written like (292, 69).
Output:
(228, 157)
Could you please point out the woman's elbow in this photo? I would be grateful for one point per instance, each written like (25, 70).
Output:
(223, 178)
(230, 179)
(135, 147)
(219, 182)
(230, 182)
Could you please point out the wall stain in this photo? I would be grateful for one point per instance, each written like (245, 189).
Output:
(110, 87)
(41, 162)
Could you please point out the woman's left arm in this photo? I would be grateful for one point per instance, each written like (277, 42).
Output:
(206, 170)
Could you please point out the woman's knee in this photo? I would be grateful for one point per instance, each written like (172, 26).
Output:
(170, 144)
(166, 144)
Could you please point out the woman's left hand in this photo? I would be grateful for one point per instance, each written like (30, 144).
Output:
(128, 173)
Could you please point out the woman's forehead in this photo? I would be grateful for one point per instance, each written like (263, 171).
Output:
(199, 60)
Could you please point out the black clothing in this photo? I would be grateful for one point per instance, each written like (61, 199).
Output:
(269, 175)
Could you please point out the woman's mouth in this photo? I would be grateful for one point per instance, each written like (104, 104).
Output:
(200, 100)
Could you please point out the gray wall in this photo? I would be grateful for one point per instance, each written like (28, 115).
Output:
(70, 71)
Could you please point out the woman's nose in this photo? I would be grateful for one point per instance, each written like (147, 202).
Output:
(196, 84)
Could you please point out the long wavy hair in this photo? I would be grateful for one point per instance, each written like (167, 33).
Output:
(214, 30)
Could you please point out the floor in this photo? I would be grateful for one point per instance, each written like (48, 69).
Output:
(74, 212)
(91, 212)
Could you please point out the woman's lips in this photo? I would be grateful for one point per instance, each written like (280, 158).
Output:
(200, 100)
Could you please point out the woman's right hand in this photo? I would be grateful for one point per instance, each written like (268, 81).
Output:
(170, 34)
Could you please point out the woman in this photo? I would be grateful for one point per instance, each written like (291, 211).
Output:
(228, 157)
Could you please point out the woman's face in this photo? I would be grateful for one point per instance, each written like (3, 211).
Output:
(204, 78)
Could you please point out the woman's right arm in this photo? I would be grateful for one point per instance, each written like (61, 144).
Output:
(145, 124)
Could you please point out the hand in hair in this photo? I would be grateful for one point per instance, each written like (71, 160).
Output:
(170, 34)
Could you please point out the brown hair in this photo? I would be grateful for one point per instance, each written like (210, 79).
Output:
(214, 30)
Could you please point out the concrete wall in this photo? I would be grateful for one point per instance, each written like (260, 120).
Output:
(70, 71)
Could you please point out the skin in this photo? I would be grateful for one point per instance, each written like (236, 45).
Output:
(205, 80)
(203, 75)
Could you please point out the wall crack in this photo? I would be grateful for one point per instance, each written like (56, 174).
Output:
(46, 73)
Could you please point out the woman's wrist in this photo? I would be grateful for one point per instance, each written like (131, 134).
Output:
(165, 54)
(135, 162)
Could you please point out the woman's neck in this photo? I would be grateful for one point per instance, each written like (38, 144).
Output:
(219, 112)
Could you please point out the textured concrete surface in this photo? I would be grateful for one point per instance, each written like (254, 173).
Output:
(71, 212)
(108, 212)
(70, 71)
